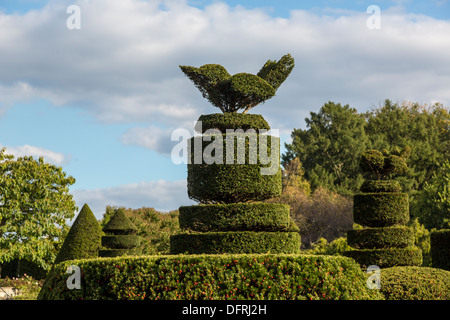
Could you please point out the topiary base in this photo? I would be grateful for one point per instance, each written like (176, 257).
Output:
(386, 258)
(381, 238)
(235, 242)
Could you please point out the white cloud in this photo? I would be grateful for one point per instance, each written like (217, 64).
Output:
(122, 66)
(161, 195)
(56, 158)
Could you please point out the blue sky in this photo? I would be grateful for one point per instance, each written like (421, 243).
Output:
(102, 101)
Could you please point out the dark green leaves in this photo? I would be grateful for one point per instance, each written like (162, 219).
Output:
(242, 90)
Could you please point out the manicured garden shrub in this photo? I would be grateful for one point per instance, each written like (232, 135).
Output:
(224, 121)
(380, 209)
(380, 238)
(440, 249)
(237, 217)
(83, 239)
(383, 210)
(386, 258)
(235, 242)
(120, 236)
(213, 277)
(415, 283)
(238, 178)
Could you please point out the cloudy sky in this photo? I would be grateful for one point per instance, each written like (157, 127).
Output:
(101, 95)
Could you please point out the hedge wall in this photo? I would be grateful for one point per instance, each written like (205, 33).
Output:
(237, 217)
(217, 277)
(381, 209)
(440, 249)
(415, 283)
(235, 242)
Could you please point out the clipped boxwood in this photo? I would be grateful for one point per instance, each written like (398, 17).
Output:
(371, 186)
(386, 258)
(235, 242)
(213, 277)
(380, 209)
(233, 177)
(257, 216)
(415, 283)
(125, 241)
(231, 120)
(440, 249)
(380, 238)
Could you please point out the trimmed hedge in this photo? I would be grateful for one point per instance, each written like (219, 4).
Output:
(373, 186)
(233, 120)
(120, 236)
(237, 217)
(440, 249)
(380, 209)
(415, 283)
(235, 242)
(83, 239)
(386, 258)
(381, 238)
(213, 277)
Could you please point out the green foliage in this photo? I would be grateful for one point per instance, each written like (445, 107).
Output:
(440, 249)
(384, 165)
(120, 236)
(224, 121)
(242, 90)
(34, 206)
(386, 258)
(153, 227)
(328, 148)
(432, 204)
(236, 217)
(371, 186)
(380, 209)
(322, 247)
(83, 240)
(381, 238)
(415, 283)
(214, 277)
(238, 179)
(235, 242)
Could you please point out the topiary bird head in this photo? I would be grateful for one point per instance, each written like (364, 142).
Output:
(242, 90)
(384, 164)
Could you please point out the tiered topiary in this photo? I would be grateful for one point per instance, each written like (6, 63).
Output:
(120, 236)
(83, 239)
(383, 210)
(230, 171)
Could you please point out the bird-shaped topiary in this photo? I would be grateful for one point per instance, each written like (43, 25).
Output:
(242, 90)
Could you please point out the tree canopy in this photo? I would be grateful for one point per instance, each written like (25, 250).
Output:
(242, 90)
(34, 206)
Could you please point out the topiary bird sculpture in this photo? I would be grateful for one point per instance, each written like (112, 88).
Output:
(242, 90)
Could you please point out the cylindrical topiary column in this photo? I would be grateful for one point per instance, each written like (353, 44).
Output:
(120, 236)
(440, 249)
(232, 170)
(383, 210)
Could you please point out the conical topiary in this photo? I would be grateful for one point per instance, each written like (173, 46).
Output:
(120, 236)
(83, 239)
